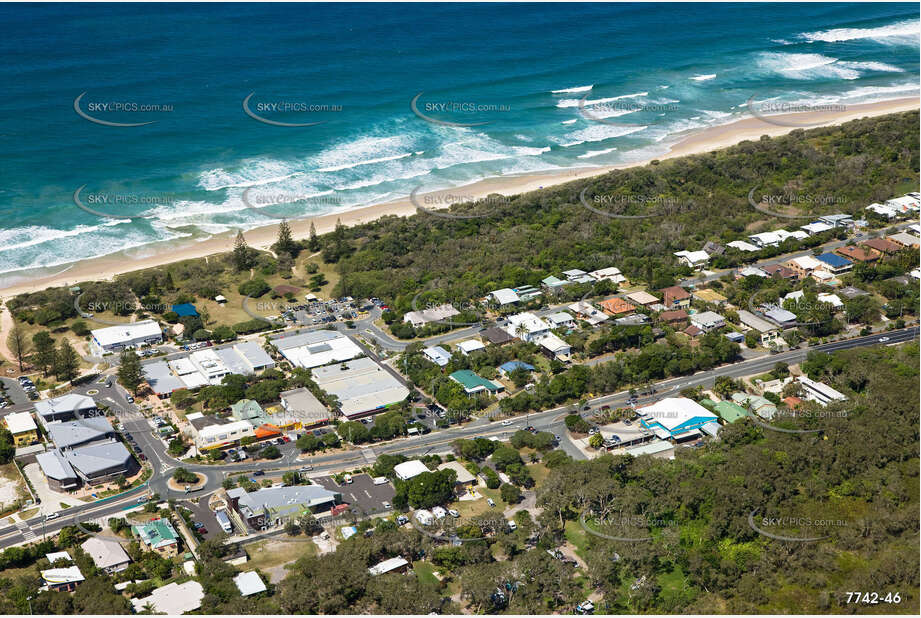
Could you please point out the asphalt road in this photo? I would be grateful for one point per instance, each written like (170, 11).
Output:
(547, 420)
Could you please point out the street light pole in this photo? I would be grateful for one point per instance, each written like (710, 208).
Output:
(29, 599)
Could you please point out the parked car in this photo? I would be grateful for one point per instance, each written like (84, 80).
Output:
(259, 473)
(307, 468)
(490, 502)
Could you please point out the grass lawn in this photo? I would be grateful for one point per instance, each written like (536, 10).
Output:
(577, 536)
(539, 472)
(274, 552)
(28, 514)
(425, 571)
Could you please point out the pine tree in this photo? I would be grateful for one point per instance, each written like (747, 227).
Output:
(18, 344)
(241, 253)
(66, 362)
(44, 351)
(314, 243)
(129, 371)
(285, 242)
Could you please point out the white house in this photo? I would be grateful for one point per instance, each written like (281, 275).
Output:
(527, 326)
(741, 245)
(470, 345)
(505, 296)
(884, 211)
(708, 320)
(437, 355)
(821, 393)
(816, 227)
(433, 314)
(561, 320)
(609, 274)
(409, 469)
(556, 347)
(694, 259)
(766, 239)
(588, 312)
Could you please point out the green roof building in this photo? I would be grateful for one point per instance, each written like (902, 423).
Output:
(158, 535)
(729, 411)
(250, 411)
(474, 383)
(757, 404)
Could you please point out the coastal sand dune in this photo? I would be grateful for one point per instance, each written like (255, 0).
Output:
(713, 138)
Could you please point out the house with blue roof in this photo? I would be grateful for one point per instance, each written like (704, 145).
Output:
(184, 309)
(834, 263)
(506, 368)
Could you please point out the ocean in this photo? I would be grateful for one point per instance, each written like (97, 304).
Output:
(127, 126)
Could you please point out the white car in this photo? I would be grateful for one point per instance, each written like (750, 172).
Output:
(506, 423)
(883, 339)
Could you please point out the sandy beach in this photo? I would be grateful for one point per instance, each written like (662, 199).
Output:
(706, 140)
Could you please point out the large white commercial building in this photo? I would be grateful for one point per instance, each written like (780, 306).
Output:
(129, 335)
(361, 386)
(316, 348)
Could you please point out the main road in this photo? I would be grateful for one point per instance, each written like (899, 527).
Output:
(547, 420)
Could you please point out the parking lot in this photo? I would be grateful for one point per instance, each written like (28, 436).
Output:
(362, 494)
(323, 312)
(13, 393)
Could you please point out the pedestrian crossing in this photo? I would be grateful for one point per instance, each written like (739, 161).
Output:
(368, 454)
(26, 531)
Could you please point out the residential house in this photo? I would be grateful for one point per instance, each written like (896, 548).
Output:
(780, 316)
(755, 403)
(816, 227)
(463, 477)
(507, 368)
(882, 245)
(751, 271)
(741, 245)
(617, 306)
(608, 274)
(527, 326)
(417, 319)
(674, 318)
(469, 346)
(693, 259)
(905, 239)
(249, 583)
(767, 332)
(560, 320)
(65, 407)
(805, 265)
(497, 336)
(676, 297)
(158, 536)
(887, 212)
(172, 599)
(502, 297)
(642, 299)
(107, 554)
(818, 392)
(858, 254)
(578, 276)
(713, 248)
(23, 428)
(392, 565)
(274, 506)
(838, 220)
(555, 347)
(778, 271)
(474, 384)
(586, 311)
(552, 283)
(62, 579)
(437, 355)
(708, 320)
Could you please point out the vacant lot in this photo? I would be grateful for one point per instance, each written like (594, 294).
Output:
(271, 556)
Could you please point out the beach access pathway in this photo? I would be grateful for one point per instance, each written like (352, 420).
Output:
(6, 325)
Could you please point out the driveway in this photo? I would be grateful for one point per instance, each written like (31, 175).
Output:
(362, 493)
(50, 499)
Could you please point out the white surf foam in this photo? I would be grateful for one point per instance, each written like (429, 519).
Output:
(703, 78)
(573, 90)
(596, 153)
(576, 102)
(906, 32)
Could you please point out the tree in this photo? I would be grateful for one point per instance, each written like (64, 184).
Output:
(270, 452)
(510, 494)
(129, 371)
(242, 254)
(308, 443)
(181, 475)
(313, 243)
(596, 441)
(291, 478)
(66, 361)
(285, 242)
(18, 344)
(752, 339)
(44, 350)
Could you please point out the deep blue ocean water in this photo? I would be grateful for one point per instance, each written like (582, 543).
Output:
(650, 71)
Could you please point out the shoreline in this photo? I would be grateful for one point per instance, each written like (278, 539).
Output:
(705, 140)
